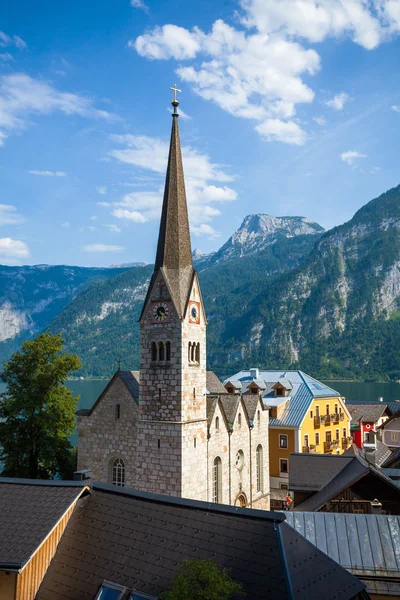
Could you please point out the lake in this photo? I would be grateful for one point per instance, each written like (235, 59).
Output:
(90, 389)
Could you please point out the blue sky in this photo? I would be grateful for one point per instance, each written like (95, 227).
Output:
(289, 108)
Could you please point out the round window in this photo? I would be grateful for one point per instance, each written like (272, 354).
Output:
(239, 460)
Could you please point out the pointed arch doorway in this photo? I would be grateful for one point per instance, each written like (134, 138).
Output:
(241, 500)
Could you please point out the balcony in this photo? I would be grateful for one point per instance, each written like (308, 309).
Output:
(332, 445)
(317, 421)
(327, 419)
(346, 442)
(309, 449)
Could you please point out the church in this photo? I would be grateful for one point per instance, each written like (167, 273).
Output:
(172, 428)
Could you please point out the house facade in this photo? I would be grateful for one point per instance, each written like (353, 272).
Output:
(365, 422)
(305, 416)
(390, 432)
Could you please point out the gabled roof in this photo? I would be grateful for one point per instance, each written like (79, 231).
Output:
(303, 390)
(29, 510)
(251, 403)
(140, 540)
(394, 455)
(230, 405)
(351, 472)
(366, 545)
(311, 472)
(284, 383)
(213, 384)
(131, 381)
(366, 412)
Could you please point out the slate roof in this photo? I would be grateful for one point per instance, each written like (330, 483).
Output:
(353, 471)
(139, 540)
(367, 545)
(380, 455)
(392, 405)
(311, 472)
(230, 404)
(366, 412)
(394, 455)
(130, 379)
(303, 390)
(29, 509)
(213, 384)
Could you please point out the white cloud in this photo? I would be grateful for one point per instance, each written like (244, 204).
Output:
(103, 248)
(338, 101)
(396, 108)
(12, 251)
(14, 40)
(103, 203)
(102, 189)
(22, 96)
(9, 215)
(113, 228)
(207, 230)
(202, 178)
(49, 173)
(257, 69)
(94, 218)
(350, 156)
(139, 4)
(321, 121)
(66, 225)
(6, 57)
(129, 215)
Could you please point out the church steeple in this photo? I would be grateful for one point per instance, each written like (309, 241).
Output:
(174, 254)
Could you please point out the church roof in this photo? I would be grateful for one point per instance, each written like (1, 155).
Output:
(131, 381)
(139, 540)
(174, 253)
(213, 384)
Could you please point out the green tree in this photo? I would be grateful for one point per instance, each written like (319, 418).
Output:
(202, 580)
(37, 410)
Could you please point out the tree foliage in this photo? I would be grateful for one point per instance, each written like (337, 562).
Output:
(203, 580)
(37, 410)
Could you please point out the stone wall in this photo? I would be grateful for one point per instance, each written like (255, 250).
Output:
(102, 437)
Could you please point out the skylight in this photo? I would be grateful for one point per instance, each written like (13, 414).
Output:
(113, 591)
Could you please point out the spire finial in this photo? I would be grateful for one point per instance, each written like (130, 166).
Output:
(175, 102)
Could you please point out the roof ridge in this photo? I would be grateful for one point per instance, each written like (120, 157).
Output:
(44, 482)
(257, 514)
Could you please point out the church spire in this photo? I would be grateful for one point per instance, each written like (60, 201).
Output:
(174, 250)
(174, 254)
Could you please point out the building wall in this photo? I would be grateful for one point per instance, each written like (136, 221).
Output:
(172, 404)
(391, 433)
(309, 428)
(276, 453)
(102, 437)
(226, 445)
(7, 585)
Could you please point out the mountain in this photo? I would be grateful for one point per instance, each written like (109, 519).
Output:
(100, 324)
(337, 314)
(30, 297)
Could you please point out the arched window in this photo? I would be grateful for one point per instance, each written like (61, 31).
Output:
(190, 352)
(161, 355)
(153, 351)
(260, 469)
(168, 351)
(118, 472)
(198, 353)
(258, 417)
(217, 423)
(217, 480)
(193, 353)
(117, 411)
(240, 420)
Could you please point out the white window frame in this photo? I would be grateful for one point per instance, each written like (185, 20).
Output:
(284, 473)
(285, 435)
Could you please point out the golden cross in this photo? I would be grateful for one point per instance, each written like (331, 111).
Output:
(175, 89)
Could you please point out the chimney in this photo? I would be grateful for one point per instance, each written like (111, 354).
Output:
(376, 507)
(254, 373)
(82, 475)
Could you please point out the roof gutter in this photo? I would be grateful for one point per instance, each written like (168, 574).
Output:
(11, 567)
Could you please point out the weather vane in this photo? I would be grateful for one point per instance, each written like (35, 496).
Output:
(175, 102)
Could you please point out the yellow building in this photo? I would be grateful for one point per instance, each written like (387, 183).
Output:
(305, 416)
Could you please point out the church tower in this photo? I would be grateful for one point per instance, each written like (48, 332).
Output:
(171, 450)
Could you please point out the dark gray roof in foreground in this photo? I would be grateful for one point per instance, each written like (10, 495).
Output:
(29, 509)
(367, 545)
(311, 472)
(139, 540)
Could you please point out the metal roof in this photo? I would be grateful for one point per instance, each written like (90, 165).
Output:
(304, 390)
(367, 545)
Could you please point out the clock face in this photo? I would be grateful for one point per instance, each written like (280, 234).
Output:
(194, 312)
(160, 311)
